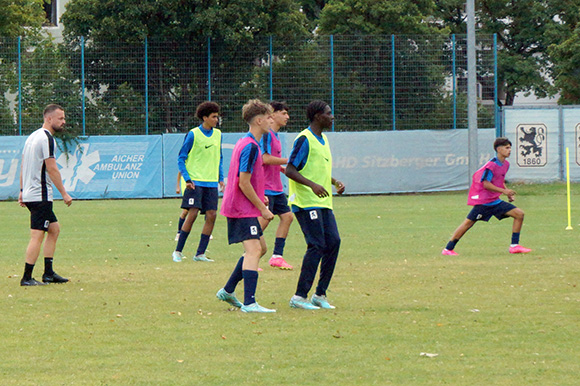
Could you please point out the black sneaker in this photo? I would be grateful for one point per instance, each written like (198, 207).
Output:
(54, 278)
(30, 282)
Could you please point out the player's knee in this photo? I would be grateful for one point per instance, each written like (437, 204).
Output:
(210, 216)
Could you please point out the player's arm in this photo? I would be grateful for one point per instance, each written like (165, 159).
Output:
(338, 185)
(248, 190)
(20, 195)
(54, 174)
(182, 157)
(491, 187)
(269, 159)
(178, 186)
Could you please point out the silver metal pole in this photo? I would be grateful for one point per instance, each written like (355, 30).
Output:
(471, 91)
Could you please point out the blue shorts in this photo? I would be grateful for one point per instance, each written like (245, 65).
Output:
(242, 229)
(278, 203)
(484, 212)
(201, 198)
(41, 215)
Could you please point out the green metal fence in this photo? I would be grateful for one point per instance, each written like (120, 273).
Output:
(390, 82)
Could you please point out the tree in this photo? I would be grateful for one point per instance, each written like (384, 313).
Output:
(178, 34)
(18, 15)
(525, 29)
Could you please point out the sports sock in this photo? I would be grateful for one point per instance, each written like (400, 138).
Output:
(183, 235)
(279, 246)
(515, 238)
(48, 266)
(250, 284)
(235, 277)
(180, 224)
(203, 241)
(27, 271)
(451, 244)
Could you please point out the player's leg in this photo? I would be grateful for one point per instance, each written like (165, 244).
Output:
(328, 263)
(312, 226)
(191, 202)
(180, 222)
(282, 209)
(209, 201)
(253, 251)
(49, 275)
(518, 215)
(39, 223)
(457, 235)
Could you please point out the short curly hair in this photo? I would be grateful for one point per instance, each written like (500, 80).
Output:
(206, 109)
(314, 108)
(253, 108)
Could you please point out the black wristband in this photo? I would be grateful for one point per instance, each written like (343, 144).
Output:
(188, 182)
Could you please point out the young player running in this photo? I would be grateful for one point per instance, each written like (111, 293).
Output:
(244, 201)
(278, 203)
(488, 184)
(200, 163)
(310, 172)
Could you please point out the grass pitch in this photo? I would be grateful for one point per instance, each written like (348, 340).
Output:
(130, 315)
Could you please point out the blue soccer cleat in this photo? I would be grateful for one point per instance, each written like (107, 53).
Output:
(320, 301)
(300, 302)
(229, 298)
(255, 307)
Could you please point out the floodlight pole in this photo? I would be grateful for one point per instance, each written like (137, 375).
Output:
(471, 91)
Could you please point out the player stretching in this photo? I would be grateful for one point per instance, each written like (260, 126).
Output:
(39, 171)
(487, 186)
(310, 172)
(278, 203)
(200, 163)
(244, 201)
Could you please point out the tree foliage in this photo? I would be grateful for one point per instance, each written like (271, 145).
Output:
(18, 15)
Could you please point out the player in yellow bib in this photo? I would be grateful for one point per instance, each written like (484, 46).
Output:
(200, 163)
(309, 171)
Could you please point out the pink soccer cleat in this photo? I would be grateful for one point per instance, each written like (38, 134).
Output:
(449, 252)
(519, 249)
(279, 262)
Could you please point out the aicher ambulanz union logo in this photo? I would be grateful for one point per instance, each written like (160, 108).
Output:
(532, 140)
(76, 167)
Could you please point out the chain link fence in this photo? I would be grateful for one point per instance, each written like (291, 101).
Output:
(377, 83)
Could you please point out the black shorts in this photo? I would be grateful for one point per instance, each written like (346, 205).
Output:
(484, 212)
(278, 203)
(242, 229)
(41, 214)
(201, 198)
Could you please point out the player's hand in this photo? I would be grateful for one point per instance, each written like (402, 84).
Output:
(178, 190)
(22, 204)
(266, 201)
(266, 214)
(319, 190)
(67, 199)
(221, 186)
(190, 185)
(339, 187)
(282, 170)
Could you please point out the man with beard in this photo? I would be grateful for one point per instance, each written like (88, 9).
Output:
(38, 173)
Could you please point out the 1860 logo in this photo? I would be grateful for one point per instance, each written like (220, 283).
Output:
(531, 145)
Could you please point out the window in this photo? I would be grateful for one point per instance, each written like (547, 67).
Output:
(50, 13)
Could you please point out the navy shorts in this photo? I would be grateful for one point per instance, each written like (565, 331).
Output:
(201, 198)
(278, 203)
(242, 229)
(484, 212)
(41, 215)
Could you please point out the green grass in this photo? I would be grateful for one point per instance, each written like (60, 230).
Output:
(132, 316)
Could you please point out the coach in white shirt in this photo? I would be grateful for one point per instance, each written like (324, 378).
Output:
(38, 173)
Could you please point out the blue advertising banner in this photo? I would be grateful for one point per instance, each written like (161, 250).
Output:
(10, 160)
(113, 167)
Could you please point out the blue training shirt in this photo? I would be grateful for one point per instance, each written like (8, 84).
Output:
(248, 156)
(184, 153)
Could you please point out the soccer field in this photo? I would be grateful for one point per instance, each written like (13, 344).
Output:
(131, 316)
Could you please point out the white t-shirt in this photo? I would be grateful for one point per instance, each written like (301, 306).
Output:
(36, 183)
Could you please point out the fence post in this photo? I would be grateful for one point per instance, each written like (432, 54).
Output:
(271, 70)
(454, 83)
(146, 59)
(19, 85)
(393, 82)
(498, 128)
(332, 77)
(208, 69)
(83, 82)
